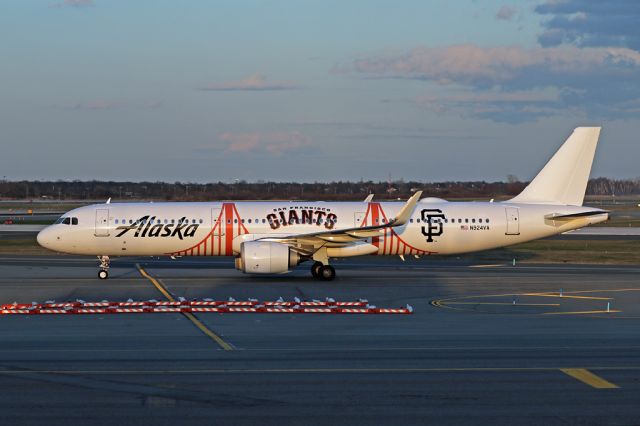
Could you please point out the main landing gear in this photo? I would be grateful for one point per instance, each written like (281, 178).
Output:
(323, 272)
(103, 273)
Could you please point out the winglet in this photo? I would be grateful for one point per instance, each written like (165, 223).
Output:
(108, 201)
(369, 198)
(407, 210)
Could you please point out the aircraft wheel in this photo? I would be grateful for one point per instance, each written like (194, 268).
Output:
(103, 275)
(327, 273)
(315, 269)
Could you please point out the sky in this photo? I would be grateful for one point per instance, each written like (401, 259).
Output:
(207, 91)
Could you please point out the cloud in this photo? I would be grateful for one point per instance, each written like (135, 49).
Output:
(73, 3)
(105, 105)
(274, 143)
(590, 23)
(255, 82)
(602, 82)
(94, 105)
(472, 65)
(506, 13)
(504, 107)
(152, 104)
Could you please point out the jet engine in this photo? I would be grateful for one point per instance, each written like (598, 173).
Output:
(266, 257)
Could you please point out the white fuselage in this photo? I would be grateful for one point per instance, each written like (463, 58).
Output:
(218, 228)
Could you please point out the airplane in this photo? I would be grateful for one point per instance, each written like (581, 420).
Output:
(273, 237)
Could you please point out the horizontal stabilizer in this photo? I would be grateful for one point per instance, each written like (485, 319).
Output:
(560, 216)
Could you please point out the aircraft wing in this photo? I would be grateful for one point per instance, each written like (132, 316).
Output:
(308, 243)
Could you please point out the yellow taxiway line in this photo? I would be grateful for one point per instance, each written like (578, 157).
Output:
(162, 289)
(564, 296)
(587, 377)
(486, 266)
(156, 284)
(501, 303)
(583, 312)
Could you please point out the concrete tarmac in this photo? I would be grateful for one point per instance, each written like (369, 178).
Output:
(487, 344)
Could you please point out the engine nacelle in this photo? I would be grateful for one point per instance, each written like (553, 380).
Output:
(266, 257)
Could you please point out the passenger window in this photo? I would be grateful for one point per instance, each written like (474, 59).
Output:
(486, 220)
(249, 220)
(201, 220)
(242, 220)
(116, 221)
(235, 220)
(480, 220)
(466, 221)
(410, 220)
(74, 220)
(264, 220)
(473, 220)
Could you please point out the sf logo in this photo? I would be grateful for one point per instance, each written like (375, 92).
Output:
(432, 227)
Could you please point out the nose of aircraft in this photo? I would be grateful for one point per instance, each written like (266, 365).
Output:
(44, 237)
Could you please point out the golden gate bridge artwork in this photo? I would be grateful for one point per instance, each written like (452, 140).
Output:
(229, 225)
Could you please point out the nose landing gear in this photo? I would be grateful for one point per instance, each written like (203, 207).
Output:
(103, 273)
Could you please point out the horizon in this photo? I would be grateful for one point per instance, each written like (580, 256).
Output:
(515, 179)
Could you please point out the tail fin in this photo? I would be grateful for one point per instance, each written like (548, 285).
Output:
(564, 178)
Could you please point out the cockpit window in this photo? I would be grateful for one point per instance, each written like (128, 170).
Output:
(66, 221)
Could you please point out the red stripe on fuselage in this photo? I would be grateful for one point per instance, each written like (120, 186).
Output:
(228, 238)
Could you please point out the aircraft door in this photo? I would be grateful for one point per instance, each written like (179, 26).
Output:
(218, 229)
(358, 219)
(513, 225)
(102, 223)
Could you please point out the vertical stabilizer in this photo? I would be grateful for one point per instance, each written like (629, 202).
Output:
(563, 180)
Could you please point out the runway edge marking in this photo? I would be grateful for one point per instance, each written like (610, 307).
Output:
(199, 324)
(587, 377)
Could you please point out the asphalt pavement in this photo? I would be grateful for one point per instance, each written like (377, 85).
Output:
(486, 344)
